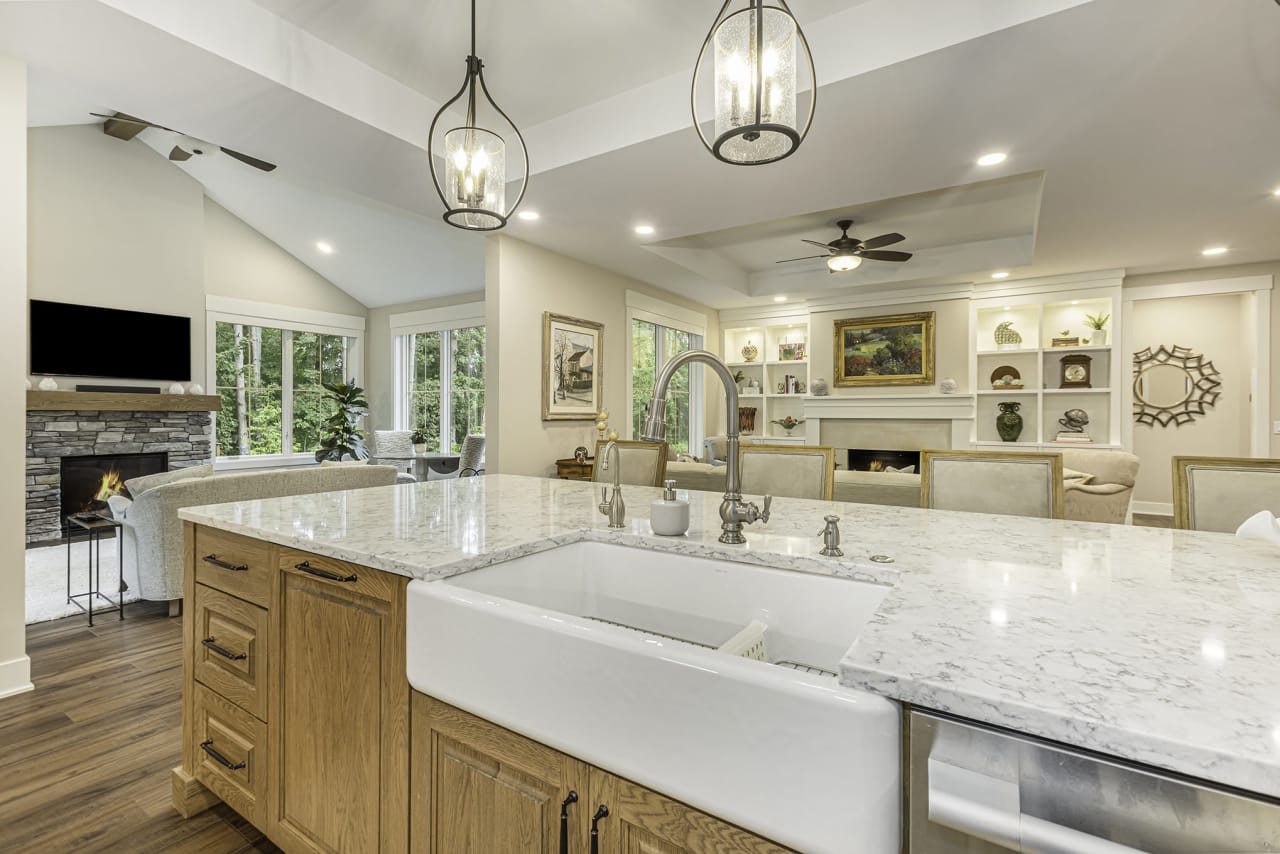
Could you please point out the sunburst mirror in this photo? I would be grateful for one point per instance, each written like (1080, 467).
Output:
(1172, 385)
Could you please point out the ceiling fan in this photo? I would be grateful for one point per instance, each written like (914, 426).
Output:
(126, 127)
(845, 253)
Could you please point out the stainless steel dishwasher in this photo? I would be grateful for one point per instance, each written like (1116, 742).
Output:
(976, 790)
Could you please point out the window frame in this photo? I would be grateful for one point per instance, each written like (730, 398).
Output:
(288, 320)
(444, 320)
(665, 315)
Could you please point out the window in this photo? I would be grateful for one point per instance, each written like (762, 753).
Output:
(269, 380)
(440, 361)
(652, 345)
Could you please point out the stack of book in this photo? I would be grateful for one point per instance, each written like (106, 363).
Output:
(1074, 438)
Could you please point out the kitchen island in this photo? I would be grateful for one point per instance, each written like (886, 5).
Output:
(1153, 646)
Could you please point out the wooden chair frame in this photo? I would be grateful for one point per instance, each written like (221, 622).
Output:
(1182, 483)
(829, 484)
(1057, 499)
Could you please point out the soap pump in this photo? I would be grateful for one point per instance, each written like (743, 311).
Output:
(669, 516)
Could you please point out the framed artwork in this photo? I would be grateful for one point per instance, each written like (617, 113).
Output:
(895, 349)
(572, 368)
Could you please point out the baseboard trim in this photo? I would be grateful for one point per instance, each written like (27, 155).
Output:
(15, 677)
(1153, 508)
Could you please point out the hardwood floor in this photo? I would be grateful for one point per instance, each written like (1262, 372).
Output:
(85, 758)
(1149, 520)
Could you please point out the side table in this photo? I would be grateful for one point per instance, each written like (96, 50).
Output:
(571, 469)
(96, 527)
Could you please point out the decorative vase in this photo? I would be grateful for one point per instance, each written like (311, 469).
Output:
(819, 388)
(948, 385)
(1009, 422)
(195, 388)
(1098, 336)
(176, 388)
(1007, 338)
(48, 384)
(419, 447)
(747, 419)
(750, 352)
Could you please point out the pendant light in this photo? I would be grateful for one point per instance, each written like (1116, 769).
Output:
(474, 187)
(756, 52)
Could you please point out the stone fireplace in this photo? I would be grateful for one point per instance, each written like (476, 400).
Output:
(867, 429)
(77, 448)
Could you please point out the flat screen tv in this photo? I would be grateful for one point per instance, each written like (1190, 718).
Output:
(84, 341)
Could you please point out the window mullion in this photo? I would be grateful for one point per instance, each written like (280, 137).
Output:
(286, 391)
(446, 389)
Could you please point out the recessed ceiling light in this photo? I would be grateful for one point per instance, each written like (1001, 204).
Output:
(995, 158)
(1008, 307)
(1276, 191)
(326, 248)
(1075, 302)
(1000, 275)
(644, 229)
(779, 299)
(528, 215)
(1214, 250)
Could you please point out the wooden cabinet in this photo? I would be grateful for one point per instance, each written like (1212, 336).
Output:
(479, 787)
(295, 700)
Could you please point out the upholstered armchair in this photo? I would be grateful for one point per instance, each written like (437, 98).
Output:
(1107, 493)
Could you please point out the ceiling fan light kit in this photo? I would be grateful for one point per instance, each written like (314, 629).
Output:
(474, 185)
(843, 263)
(845, 253)
(756, 53)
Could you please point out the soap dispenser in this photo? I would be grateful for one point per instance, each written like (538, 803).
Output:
(669, 516)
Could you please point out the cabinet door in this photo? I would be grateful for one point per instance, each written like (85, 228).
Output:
(483, 789)
(641, 821)
(341, 711)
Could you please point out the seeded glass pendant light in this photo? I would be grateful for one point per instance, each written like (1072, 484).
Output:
(474, 187)
(756, 53)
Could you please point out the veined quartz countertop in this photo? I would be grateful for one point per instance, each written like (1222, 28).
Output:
(1154, 645)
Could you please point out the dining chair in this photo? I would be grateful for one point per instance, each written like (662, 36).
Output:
(1001, 482)
(1219, 493)
(392, 447)
(643, 463)
(471, 456)
(788, 471)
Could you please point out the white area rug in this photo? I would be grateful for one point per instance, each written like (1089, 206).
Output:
(47, 580)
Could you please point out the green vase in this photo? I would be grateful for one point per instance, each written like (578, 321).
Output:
(1009, 422)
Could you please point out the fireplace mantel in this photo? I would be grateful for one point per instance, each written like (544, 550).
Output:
(87, 401)
(890, 412)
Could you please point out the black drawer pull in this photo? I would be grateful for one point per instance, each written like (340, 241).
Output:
(306, 566)
(223, 651)
(218, 757)
(222, 564)
(602, 812)
(564, 820)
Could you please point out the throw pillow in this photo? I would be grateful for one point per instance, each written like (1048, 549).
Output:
(139, 485)
(903, 470)
(1080, 477)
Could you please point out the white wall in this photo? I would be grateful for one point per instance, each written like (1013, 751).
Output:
(521, 282)
(114, 224)
(379, 355)
(15, 668)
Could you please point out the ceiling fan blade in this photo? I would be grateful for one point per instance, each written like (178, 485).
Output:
(125, 118)
(806, 258)
(817, 244)
(178, 154)
(885, 255)
(883, 240)
(252, 161)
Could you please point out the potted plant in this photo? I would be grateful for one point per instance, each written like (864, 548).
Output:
(342, 435)
(1096, 322)
(419, 440)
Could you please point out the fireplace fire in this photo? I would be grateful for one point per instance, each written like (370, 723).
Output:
(861, 459)
(88, 481)
(111, 484)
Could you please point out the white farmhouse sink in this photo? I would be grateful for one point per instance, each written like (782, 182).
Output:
(540, 644)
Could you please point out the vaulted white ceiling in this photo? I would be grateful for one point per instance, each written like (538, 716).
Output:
(1138, 131)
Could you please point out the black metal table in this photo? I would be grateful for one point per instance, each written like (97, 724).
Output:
(96, 527)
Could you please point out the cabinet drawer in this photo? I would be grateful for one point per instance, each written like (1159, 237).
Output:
(231, 759)
(349, 577)
(231, 649)
(234, 564)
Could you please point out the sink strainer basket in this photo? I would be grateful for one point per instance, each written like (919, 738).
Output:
(749, 643)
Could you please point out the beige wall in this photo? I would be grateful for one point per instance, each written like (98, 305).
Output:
(1217, 327)
(15, 669)
(521, 282)
(379, 360)
(1271, 268)
(951, 343)
(113, 224)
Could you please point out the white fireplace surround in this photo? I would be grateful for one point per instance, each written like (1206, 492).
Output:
(956, 410)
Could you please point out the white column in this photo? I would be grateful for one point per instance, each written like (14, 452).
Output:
(15, 667)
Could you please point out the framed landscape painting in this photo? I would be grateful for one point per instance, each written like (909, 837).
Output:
(572, 365)
(895, 349)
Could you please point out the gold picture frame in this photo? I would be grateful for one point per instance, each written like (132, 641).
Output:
(906, 341)
(572, 368)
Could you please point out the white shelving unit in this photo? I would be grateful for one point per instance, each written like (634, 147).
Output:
(1039, 316)
(768, 369)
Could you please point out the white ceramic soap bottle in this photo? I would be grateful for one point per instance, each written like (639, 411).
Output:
(669, 516)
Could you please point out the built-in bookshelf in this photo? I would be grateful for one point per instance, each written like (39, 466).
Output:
(776, 380)
(1052, 326)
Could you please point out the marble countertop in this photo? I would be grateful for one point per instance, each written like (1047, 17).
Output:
(1154, 645)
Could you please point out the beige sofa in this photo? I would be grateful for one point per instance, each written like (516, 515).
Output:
(152, 530)
(1104, 497)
